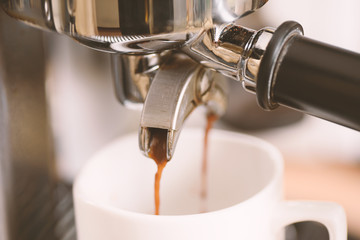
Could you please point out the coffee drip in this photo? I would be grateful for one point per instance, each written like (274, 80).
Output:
(158, 154)
(211, 118)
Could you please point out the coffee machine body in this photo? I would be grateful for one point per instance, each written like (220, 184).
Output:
(27, 162)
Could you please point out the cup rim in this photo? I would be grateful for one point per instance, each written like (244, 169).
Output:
(275, 154)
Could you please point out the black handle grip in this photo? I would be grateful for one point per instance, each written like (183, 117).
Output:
(318, 79)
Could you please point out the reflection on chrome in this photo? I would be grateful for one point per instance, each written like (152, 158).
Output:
(118, 25)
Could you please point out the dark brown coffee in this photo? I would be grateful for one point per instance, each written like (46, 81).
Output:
(158, 154)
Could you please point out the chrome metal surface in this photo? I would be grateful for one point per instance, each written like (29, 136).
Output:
(232, 50)
(230, 10)
(250, 62)
(137, 26)
(26, 160)
(133, 75)
(117, 26)
(221, 48)
(179, 86)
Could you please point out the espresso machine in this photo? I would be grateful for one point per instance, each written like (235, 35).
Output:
(168, 57)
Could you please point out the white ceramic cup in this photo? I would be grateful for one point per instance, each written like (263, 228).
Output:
(114, 194)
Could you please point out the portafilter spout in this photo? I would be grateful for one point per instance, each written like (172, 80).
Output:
(179, 86)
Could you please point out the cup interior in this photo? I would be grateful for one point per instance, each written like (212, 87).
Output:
(239, 167)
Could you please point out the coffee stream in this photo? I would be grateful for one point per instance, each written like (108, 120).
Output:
(211, 118)
(158, 154)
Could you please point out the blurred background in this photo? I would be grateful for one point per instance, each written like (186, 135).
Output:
(322, 159)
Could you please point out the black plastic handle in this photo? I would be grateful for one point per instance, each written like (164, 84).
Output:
(312, 77)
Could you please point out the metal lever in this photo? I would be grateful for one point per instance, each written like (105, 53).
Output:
(179, 86)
